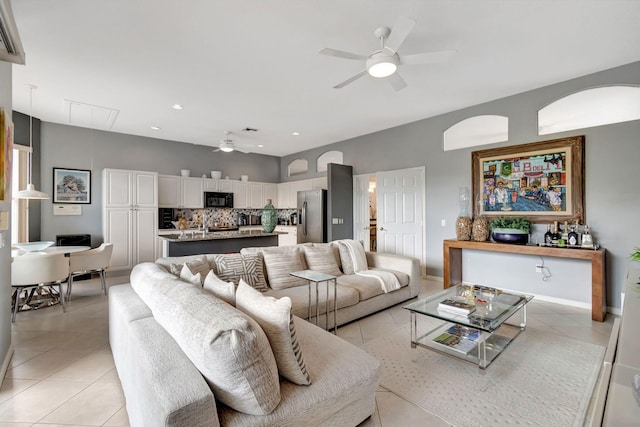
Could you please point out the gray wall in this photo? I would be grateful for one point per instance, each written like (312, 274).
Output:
(5, 252)
(612, 198)
(21, 130)
(81, 148)
(339, 202)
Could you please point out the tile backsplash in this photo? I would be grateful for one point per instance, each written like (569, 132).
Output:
(224, 216)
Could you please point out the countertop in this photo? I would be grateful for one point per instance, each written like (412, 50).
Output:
(192, 236)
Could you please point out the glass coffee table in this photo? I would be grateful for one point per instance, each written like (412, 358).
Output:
(478, 336)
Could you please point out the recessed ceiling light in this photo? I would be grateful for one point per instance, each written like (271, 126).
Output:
(295, 133)
(177, 107)
(260, 145)
(156, 127)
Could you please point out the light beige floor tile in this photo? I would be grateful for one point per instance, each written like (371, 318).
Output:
(94, 406)
(110, 377)
(397, 412)
(120, 419)
(88, 368)
(43, 366)
(11, 387)
(2, 424)
(21, 356)
(350, 330)
(375, 330)
(38, 400)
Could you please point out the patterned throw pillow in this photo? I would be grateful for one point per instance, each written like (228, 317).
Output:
(348, 263)
(226, 291)
(176, 269)
(279, 265)
(198, 265)
(321, 258)
(233, 267)
(275, 318)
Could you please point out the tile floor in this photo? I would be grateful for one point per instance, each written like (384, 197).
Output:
(62, 372)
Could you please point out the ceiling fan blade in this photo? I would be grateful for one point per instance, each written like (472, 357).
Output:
(397, 82)
(427, 57)
(350, 80)
(400, 31)
(342, 54)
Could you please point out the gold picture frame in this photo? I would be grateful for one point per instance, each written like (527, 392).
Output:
(542, 181)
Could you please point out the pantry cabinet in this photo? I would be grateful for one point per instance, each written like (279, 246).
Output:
(180, 192)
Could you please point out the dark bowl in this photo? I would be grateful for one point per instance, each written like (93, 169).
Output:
(514, 238)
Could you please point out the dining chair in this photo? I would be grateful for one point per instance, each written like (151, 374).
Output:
(34, 271)
(94, 260)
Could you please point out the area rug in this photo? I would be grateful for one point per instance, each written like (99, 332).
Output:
(540, 379)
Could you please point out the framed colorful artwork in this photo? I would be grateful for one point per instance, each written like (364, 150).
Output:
(542, 181)
(71, 186)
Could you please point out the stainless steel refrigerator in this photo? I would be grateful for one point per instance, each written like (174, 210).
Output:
(312, 216)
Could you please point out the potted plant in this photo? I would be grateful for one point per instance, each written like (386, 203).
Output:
(510, 230)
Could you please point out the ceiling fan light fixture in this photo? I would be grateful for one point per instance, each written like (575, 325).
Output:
(226, 149)
(381, 64)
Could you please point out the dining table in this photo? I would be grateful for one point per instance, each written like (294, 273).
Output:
(44, 295)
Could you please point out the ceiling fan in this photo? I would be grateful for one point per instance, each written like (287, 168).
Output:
(384, 62)
(227, 145)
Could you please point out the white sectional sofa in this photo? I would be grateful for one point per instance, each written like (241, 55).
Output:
(186, 358)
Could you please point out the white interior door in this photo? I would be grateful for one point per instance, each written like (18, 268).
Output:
(400, 206)
(361, 209)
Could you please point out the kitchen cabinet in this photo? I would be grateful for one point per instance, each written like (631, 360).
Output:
(211, 184)
(256, 195)
(296, 186)
(289, 235)
(240, 194)
(282, 195)
(180, 192)
(130, 216)
(319, 183)
(225, 186)
(270, 191)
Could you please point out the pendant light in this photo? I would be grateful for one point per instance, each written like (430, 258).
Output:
(30, 192)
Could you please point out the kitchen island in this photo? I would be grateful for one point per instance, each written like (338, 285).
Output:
(217, 242)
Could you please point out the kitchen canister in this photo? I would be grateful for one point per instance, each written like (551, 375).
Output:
(269, 217)
(185, 172)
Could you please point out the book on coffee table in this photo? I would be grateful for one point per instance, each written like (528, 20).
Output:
(454, 342)
(464, 332)
(456, 306)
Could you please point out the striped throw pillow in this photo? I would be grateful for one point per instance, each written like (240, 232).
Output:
(279, 265)
(322, 259)
(233, 267)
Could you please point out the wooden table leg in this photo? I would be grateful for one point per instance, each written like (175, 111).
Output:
(598, 291)
(452, 265)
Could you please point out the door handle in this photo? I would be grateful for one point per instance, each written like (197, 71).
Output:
(366, 228)
(382, 229)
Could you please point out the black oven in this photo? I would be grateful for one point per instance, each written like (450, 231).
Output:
(218, 200)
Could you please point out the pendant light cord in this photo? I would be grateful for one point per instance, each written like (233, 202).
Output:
(30, 160)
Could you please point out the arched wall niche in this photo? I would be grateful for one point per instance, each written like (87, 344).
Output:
(475, 131)
(329, 157)
(298, 167)
(590, 107)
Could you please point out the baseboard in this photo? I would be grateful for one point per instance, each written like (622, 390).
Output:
(5, 363)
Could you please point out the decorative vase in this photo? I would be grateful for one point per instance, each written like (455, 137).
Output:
(269, 217)
(463, 222)
(480, 227)
(510, 235)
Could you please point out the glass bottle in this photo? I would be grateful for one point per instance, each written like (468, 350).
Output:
(548, 239)
(555, 235)
(587, 239)
(480, 224)
(269, 217)
(573, 236)
(463, 222)
(565, 232)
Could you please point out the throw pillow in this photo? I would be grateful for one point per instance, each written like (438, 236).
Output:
(275, 318)
(227, 346)
(352, 256)
(226, 291)
(321, 258)
(233, 267)
(198, 265)
(279, 265)
(175, 269)
(188, 276)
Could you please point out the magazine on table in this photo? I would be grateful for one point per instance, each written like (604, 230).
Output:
(464, 332)
(455, 342)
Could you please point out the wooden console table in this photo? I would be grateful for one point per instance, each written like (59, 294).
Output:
(452, 257)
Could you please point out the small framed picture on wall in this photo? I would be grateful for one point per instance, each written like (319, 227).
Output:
(71, 186)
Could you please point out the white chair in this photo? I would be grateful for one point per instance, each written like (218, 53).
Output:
(93, 260)
(30, 272)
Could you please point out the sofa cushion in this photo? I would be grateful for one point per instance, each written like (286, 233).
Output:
(275, 318)
(352, 256)
(299, 295)
(189, 277)
(367, 287)
(217, 287)
(279, 265)
(227, 346)
(322, 259)
(233, 267)
(403, 278)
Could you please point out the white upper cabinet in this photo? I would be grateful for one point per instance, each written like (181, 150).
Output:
(127, 189)
(319, 183)
(240, 194)
(304, 185)
(270, 191)
(211, 184)
(180, 192)
(225, 186)
(256, 195)
(283, 195)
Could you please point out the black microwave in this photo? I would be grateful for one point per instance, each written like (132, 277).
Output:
(218, 200)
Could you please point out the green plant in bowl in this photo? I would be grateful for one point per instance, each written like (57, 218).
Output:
(510, 230)
(635, 255)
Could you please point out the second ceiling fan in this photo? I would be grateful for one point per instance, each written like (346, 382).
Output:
(384, 63)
